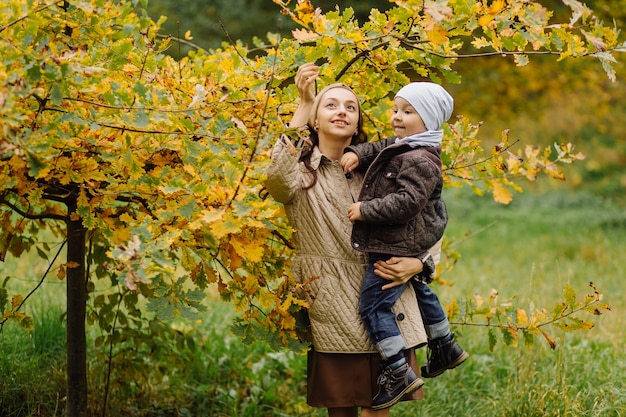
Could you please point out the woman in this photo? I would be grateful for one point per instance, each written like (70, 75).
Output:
(309, 180)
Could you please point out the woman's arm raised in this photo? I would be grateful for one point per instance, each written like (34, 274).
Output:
(305, 81)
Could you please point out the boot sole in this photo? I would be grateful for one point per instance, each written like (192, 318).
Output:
(452, 365)
(417, 384)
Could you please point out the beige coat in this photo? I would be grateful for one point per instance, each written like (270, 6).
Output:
(319, 217)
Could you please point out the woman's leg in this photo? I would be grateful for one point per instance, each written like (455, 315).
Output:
(354, 412)
(343, 412)
(368, 412)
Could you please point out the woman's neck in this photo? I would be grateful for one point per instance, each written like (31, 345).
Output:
(333, 149)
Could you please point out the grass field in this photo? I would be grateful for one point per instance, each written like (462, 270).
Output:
(528, 251)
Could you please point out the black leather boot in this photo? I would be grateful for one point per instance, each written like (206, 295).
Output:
(393, 384)
(443, 353)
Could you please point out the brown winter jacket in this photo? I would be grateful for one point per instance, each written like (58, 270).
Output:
(403, 213)
(325, 261)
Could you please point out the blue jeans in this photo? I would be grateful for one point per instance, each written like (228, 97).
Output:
(376, 305)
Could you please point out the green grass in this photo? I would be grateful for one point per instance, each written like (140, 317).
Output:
(528, 251)
(536, 246)
(32, 366)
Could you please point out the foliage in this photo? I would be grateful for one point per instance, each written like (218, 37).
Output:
(162, 161)
(514, 322)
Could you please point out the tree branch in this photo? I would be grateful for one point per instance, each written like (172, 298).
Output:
(482, 161)
(30, 216)
(363, 53)
(182, 41)
(283, 239)
(16, 21)
(539, 325)
(43, 277)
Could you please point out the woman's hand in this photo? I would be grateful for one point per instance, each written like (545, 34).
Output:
(398, 270)
(305, 81)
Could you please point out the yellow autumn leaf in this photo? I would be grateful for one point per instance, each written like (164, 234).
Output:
(235, 259)
(211, 274)
(251, 284)
(478, 299)
(288, 323)
(283, 308)
(501, 194)
(549, 339)
(305, 11)
(522, 318)
(328, 41)
(127, 218)
(250, 250)
(437, 36)
(16, 301)
(219, 229)
(496, 7)
(453, 309)
(486, 19)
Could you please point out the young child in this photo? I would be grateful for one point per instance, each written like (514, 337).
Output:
(400, 213)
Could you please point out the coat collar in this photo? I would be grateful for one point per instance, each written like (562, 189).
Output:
(317, 157)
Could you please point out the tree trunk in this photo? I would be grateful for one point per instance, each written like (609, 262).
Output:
(76, 405)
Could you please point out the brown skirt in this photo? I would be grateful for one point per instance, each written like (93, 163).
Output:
(348, 380)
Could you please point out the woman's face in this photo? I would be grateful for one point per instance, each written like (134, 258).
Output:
(338, 114)
(405, 120)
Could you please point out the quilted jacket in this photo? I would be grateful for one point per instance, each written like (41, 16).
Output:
(403, 213)
(325, 260)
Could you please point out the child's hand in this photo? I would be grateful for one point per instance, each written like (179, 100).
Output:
(349, 162)
(354, 212)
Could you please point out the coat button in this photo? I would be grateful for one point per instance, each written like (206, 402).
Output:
(400, 317)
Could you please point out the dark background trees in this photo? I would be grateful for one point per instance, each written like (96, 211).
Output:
(216, 21)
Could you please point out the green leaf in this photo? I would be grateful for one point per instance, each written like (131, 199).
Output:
(140, 89)
(4, 299)
(27, 323)
(493, 340)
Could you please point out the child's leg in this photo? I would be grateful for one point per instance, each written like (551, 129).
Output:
(443, 351)
(397, 377)
(378, 317)
(434, 317)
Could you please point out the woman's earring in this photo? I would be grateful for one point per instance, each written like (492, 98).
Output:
(315, 126)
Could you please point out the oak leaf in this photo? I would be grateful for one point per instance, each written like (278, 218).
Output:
(304, 35)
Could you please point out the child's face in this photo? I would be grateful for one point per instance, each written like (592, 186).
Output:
(405, 121)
